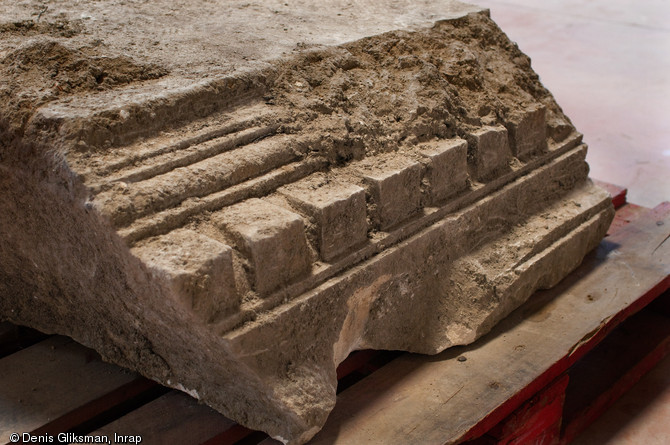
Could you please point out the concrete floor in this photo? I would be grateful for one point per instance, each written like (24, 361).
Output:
(607, 62)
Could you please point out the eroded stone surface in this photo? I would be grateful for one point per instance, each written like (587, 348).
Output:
(233, 210)
(195, 266)
(272, 238)
(393, 184)
(447, 168)
(490, 152)
(337, 208)
(528, 132)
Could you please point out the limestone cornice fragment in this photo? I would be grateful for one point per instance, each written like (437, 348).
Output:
(234, 223)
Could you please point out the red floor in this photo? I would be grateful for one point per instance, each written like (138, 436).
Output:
(607, 62)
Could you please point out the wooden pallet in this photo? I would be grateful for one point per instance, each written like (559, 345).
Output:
(541, 376)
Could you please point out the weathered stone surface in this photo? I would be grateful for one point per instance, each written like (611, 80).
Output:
(528, 132)
(489, 149)
(338, 210)
(393, 184)
(447, 168)
(272, 238)
(196, 267)
(230, 200)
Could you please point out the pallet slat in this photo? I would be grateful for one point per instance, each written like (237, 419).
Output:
(172, 418)
(45, 382)
(538, 420)
(603, 376)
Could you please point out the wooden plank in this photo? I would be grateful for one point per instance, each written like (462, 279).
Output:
(639, 417)
(100, 409)
(602, 367)
(625, 215)
(360, 364)
(234, 435)
(43, 383)
(439, 399)
(631, 212)
(613, 367)
(172, 418)
(617, 192)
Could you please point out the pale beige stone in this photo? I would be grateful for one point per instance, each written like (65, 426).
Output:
(393, 184)
(528, 132)
(197, 267)
(338, 210)
(447, 168)
(272, 238)
(489, 149)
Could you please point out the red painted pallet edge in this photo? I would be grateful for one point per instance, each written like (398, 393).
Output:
(503, 411)
(538, 420)
(617, 192)
(607, 399)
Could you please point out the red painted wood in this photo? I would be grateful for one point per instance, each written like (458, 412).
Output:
(538, 420)
(617, 192)
(96, 407)
(625, 215)
(562, 365)
(631, 212)
(604, 401)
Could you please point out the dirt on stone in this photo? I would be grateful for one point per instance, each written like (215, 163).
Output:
(58, 28)
(395, 89)
(45, 70)
(401, 88)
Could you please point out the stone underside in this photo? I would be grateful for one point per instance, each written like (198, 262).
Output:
(237, 237)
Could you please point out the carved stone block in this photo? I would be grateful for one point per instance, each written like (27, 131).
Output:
(231, 199)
